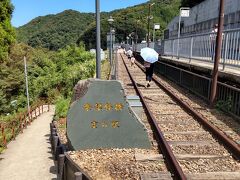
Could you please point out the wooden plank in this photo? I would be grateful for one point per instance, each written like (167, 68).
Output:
(157, 94)
(191, 143)
(214, 175)
(156, 176)
(148, 157)
(199, 156)
(176, 122)
(179, 116)
(184, 132)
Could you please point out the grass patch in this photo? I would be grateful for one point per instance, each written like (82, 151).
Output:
(62, 106)
(105, 66)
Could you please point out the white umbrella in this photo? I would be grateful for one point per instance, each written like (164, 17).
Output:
(129, 52)
(149, 54)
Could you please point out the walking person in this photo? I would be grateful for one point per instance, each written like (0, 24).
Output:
(129, 54)
(149, 72)
(133, 61)
(213, 37)
(150, 56)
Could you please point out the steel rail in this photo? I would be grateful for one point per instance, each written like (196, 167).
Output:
(171, 160)
(229, 144)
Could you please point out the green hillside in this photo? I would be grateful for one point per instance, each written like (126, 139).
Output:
(131, 20)
(190, 3)
(7, 34)
(56, 31)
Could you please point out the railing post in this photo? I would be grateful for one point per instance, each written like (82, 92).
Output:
(78, 175)
(61, 160)
(13, 133)
(209, 89)
(225, 50)
(191, 49)
(180, 80)
(31, 114)
(172, 48)
(4, 140)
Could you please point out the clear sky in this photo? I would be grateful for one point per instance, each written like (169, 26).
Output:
(26, 10)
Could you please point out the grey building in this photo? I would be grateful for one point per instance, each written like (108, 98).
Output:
(203, 17)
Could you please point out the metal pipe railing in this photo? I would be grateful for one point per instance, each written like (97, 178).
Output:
(201, 47)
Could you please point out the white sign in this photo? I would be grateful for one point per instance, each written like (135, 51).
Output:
(156, 26)
(185, 12)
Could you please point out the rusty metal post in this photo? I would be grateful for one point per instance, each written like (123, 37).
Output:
(39, 111)
(78, 175)
(48, 107)
(13, 133)
(217, 54)
(4, 140)
(2, 130)
(31, 114)
(148, 34)
(21, 127)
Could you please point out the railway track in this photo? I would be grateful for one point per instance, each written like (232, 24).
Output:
(195, 151)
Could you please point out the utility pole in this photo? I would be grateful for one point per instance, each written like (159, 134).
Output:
(148, 34)
(26, 80)
(149, 13)
(217, 54)
(184, 12)
(98, 41)
(110, 21)
(125, 31)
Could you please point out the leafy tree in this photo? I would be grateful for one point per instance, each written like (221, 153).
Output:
(190, 3)
(7, 33)
(50, 74)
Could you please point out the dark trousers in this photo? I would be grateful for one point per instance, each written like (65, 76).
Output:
(149, 72)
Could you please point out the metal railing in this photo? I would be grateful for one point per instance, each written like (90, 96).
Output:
(67, 169)
(228, 97)
(155, 45)
(10, 128)
(202, 47)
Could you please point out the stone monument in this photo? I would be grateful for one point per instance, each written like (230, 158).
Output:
(100, 117)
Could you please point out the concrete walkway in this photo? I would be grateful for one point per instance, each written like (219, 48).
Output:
(29, 156)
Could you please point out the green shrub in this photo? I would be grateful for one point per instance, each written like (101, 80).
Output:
(61, 108)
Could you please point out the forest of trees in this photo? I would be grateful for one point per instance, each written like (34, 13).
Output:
(56, 31)
(190, 3)
(55, 61)
(7, 33)
(51, 74)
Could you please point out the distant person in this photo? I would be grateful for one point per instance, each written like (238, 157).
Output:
(133, 61)
(124, 51)
(129, 54)
(149, 72)
(213, 37)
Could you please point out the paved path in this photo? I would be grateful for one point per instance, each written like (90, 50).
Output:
(29, 156)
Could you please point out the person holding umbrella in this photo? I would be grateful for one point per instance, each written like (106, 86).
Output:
(150, 56)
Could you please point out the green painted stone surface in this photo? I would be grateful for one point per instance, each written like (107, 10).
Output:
(100, 117)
